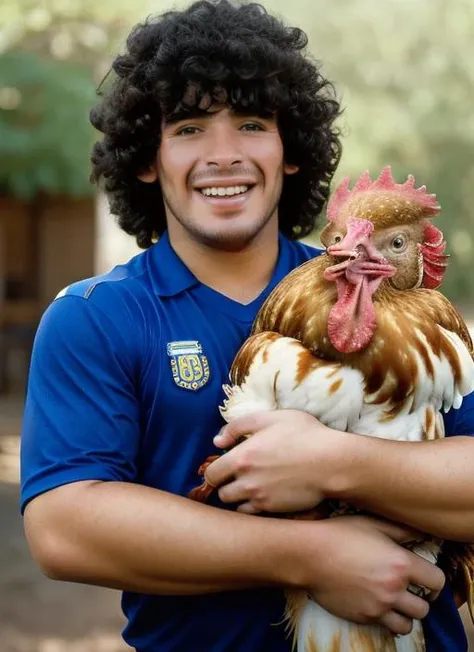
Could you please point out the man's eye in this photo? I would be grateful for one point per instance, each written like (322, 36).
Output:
(252, 126)
(187, 131)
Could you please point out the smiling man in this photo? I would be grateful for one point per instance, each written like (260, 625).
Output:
(221, 174)
(217, 154)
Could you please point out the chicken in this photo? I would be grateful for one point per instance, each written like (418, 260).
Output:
(360, 338)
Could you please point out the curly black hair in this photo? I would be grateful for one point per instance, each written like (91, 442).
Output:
(214, 49)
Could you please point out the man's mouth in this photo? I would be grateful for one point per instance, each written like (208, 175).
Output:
(227, 191)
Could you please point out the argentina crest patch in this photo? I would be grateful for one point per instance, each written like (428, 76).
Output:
(189, 365)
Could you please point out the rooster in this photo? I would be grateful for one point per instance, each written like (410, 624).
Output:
(361, 339)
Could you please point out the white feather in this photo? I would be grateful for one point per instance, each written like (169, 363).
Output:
(320, 630)
(271, 384)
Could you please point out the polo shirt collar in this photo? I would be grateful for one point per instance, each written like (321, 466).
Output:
(169, 275)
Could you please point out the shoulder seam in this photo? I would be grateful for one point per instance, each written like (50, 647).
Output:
(89, 288)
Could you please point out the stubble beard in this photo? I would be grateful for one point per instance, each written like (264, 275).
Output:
(231, 240)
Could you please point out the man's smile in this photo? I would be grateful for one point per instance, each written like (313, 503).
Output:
(226, 202)
(227, 191)
(228, 197)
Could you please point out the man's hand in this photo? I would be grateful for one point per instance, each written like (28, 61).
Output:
(362, 573)
(285, 465)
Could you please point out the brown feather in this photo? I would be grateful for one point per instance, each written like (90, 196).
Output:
(457, 562)
(246, 354)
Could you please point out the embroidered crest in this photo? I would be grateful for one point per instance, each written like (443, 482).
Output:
(189, 365)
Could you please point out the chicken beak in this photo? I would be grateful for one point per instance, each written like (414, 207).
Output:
(357, 238)
(357, 251)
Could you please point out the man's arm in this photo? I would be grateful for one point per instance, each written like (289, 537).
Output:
(295, 462)
(428, 485)
(139, 539)
(136, 538)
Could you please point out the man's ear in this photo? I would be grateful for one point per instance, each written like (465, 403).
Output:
(289, 168)
(148, 176)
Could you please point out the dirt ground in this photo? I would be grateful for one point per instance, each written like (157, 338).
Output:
(37, 614)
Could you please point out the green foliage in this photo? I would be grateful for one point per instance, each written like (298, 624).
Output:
(54, 54)
(403, 70)
(45, 134)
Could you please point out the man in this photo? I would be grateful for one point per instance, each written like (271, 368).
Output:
(219, 142)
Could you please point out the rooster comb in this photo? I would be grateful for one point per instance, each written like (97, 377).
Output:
(386, 184)
(367, 196)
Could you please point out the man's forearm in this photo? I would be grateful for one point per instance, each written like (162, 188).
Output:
(428, 485)
(139, 539)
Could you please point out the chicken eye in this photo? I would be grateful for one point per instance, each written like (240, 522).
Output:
(337, 239)
(398, 243)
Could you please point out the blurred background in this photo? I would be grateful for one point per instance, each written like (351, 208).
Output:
(403, 70)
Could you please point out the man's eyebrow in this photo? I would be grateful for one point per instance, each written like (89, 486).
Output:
(186, 114)
(180, 115)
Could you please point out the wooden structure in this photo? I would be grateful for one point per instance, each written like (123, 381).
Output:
(44, 246)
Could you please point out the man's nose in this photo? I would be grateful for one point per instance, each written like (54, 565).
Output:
(223, 147)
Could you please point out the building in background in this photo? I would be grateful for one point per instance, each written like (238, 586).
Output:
(46, 245)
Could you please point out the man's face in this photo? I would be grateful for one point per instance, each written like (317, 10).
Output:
(221, 176)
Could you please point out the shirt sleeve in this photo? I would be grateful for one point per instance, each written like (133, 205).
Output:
(461, 421)
(81, 418)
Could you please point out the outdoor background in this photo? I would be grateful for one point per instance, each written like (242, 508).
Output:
(405, 75)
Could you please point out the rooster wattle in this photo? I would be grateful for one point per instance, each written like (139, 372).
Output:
(361, 339)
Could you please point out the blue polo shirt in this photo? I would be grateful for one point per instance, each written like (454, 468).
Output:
(126, 375)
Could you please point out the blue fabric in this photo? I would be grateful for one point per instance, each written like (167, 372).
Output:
(112, 396)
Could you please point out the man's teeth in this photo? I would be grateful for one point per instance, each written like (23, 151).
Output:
(222, 192)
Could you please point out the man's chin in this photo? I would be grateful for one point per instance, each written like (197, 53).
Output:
(230, 239)
(228, 242)
(231, 234)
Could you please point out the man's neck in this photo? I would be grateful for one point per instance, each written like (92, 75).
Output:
(240, 275)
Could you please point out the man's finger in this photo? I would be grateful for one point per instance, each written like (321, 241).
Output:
(426, 574)
(220, 471)
(412, 606)
(396, 623)
(398, 532)
(233, 492)
(233, 432)
(225, 438)
(246, 508)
